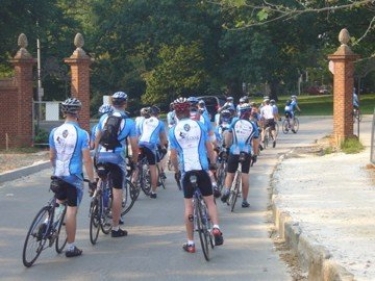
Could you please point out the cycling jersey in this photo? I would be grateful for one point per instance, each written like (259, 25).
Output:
(243, 132)
(150, 130)
(68, 140)
(189, 139)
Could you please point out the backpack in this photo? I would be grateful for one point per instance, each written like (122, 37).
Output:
(109, 138)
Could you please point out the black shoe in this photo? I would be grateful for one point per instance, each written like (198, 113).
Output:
(163, 176)
(121, 222)
(73, 253)
(274, 144)
(245, 204)
(153, 195)
(225, 197)
(119, 233)
(261, 147)
(294, 131)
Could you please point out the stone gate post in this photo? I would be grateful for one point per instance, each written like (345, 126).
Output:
(343, 81)
(79, 63)
(20, 111)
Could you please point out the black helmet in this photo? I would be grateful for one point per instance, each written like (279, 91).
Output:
(71, 106)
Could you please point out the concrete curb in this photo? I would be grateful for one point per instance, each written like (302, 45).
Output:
(23, 172)
(313, 258)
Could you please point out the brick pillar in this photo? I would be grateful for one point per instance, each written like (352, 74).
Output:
(23, 64)
(343, 82)
(79, 63)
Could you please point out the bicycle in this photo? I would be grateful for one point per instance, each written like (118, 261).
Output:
(45, 229)
(235, 191)
(101, 202)
(287, 126)
(202, 222)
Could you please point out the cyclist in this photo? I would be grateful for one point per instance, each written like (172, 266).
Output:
(242, 136)
(69, 147)
(290, 107)
(152, 132)
(267, 114)
(195, 115)
(116, 158)
(103, 109)
(189, 140)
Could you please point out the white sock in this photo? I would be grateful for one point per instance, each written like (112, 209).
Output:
(115, 228)
(190, 242)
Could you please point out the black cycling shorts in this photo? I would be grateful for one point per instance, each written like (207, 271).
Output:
(203, 182)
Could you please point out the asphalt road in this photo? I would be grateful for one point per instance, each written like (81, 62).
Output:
(156, 231)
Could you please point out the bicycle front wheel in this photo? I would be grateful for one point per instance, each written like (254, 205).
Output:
(94, 220)
(203, 231)
(36, 237)
(61, 237)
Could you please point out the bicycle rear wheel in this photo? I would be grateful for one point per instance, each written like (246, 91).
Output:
(36, 237)
(266, 138)
(161, 181)
(130, 194)
(145, 179)
(296, 125)
(61, 237)
(235, 192)
(203, 231)
(95, 218)
(221, 174)
(285, 126)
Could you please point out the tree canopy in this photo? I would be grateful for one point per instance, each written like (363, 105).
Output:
(158, 50)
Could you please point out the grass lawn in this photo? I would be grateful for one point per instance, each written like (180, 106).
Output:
(316, 105)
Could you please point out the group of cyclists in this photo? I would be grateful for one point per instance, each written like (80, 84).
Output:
(194, 144)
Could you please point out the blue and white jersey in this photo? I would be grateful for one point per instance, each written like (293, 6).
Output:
(150, 130)
(243, 132)
(189, 138)
(69, 140)
(127, 129)
(294, 105)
